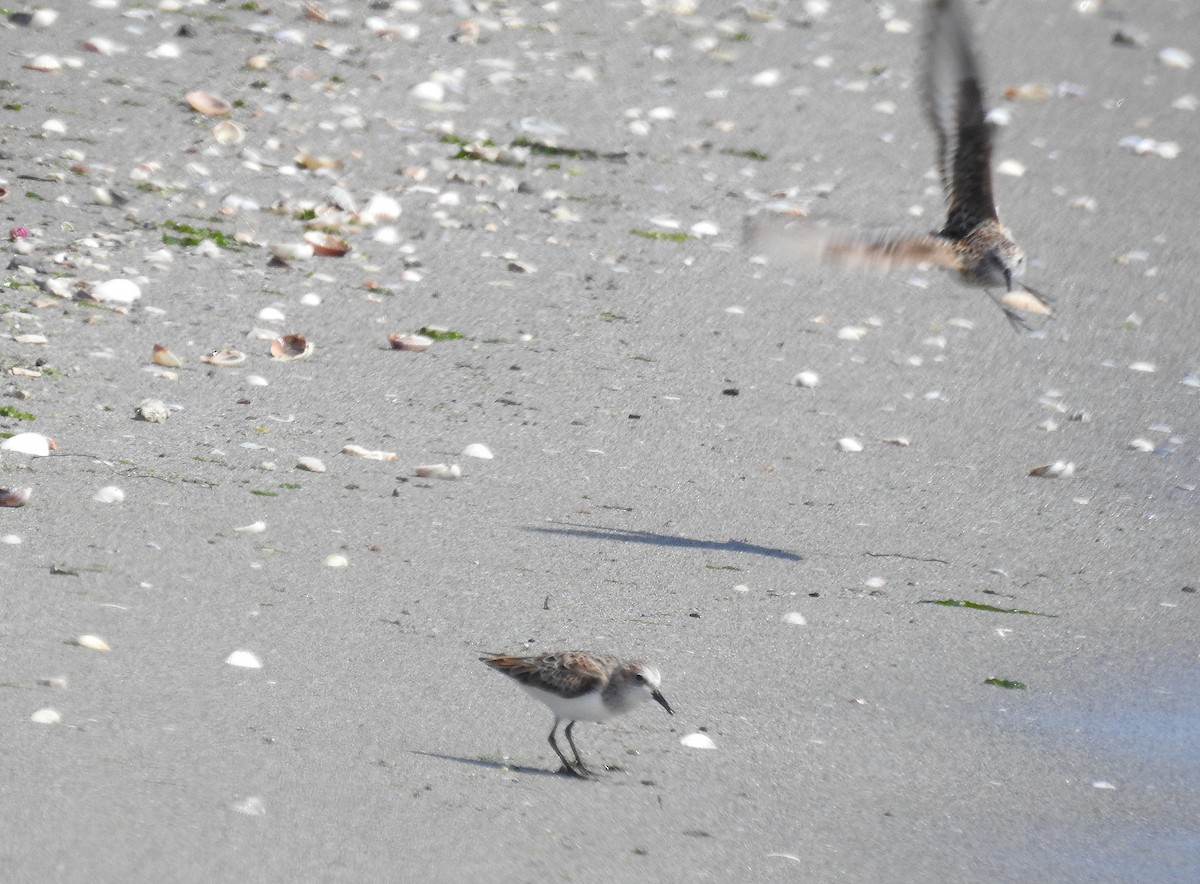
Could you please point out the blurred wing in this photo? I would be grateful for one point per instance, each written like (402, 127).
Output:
(954, 103)
(877, 254)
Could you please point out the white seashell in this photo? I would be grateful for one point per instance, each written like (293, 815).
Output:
(251, 806)
(478, 449)
(806, 379)
(1025, 302)
(1175, 58)
(336, 560)
(117, 291)
(99, 45)
(244, 659)
(901, 441)
(91, 642)
(1143, 445)
(252, 528)
(379, 208)
(413, 343)
(165, 51)
(46, 716)
(271, 314)
(875, 583)
(206, 248)
(109, 494)
(10, 539)
(1057, 470)
(1103, 784)
(359, 451)
(152, 410)
(45, 63)
(705, 228)
(769, 77)
(31, 339)
(58, 682)
(851, 333)
(32, 444)
(1010, 167)
(428, 91)
(794, 618)
(439, 471)
(1187, 102)
(257, 380)
(849, 444)
(697, 741)
(291, 251)
(311, 299)
(311, 464)
(228, 133)
(1142, 366)
(54, 127)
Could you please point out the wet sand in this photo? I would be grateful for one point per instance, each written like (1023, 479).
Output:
(660, 487)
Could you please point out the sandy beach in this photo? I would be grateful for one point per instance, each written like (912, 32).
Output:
(917, 661)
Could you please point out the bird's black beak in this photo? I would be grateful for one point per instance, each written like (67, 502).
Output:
(662, 701)
(1008, 278)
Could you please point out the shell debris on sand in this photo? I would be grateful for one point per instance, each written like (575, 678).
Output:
(439, 471)
(226, 358)
(32, 444)
(413, 343)
(252, 528)
(152, 411)
(311, 464)
(849, 444)
(479, 450)
(369, 454)
(14, 497)
(160, 355)
(91, 642)
(1057, 470)
(46, 716)
(289, 348)
(336, 560)
(109, 494)
(697, 741)
(244, 660)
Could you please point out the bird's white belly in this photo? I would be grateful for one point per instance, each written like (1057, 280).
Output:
(586, 707)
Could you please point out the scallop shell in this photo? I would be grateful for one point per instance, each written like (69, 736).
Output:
(479, 450)
(411, 343)
(228, 132)
(291, 347)
(326, 244)
(244, 659)
(160, 355)
(208, 104)
(14, 496)
(226, 358)
(44, 63)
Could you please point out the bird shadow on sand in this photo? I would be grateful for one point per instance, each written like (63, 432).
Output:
(624, 535)
(494, 765)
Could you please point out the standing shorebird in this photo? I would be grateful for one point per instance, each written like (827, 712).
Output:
(973, 242)
(578, 686)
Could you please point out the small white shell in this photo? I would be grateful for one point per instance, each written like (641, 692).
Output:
(806, 379)
(1010, 167)
(91, 642)
(1142, 366)
(1057, 470)
(271, 314)
(1143, 445)
(44, 63)
(1175, 58)
(439, 471)
(208, 104)
(794, 618)
(478, 449)
(852, 333)
(46, 716)
(252, 528)
(849, 444)
(228, 133)
(32, 444)
(109, 494)
(154, 411)
(697, 741)
(428, 91)
(117, 291)
(336, 560)
(244, 659)
(411, 342)
(1025, 302)
(291, 251)
(311, 464)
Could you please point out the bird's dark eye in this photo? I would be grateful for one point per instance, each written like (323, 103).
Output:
(637, 676)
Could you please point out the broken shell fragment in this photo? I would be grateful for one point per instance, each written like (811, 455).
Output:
(291, 347)
(226, 358)
(359, 451)
(109, 494)
(327, 245)
(252, 528)
(1056, 470)
(311, 464)
(33, 444)
(160, 355)
(439, 471)
(849, 444)
(91, 642)
(14, 497)
(411, 343)
(208, 104)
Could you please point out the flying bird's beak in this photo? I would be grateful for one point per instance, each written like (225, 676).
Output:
(1008, 278)
(662, 701)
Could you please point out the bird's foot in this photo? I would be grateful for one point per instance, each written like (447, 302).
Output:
(578, 771)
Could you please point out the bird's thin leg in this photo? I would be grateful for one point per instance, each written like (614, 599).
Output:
(579, 765)
(1019, 322)
(567, 767)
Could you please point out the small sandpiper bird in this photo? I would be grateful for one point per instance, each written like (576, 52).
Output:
(580, 686)
(973, 242)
